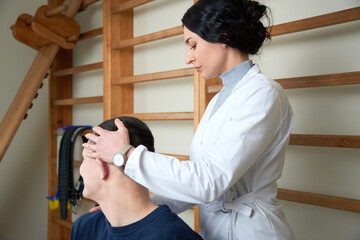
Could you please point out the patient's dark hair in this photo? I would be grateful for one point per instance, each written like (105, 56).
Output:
(139, 132)
(236, 23)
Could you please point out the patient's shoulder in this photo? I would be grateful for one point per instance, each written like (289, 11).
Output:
(91, 223)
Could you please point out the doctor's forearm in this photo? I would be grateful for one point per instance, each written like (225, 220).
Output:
(182, 180)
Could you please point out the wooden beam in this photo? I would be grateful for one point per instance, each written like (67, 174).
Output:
(128, 5)
(166, 116)
(336, 79)
(75, 101)
(59, 87)
(25, 95)
(79, 69)
(346, 204)
(91, 33)
(325, 20)
(199, 98)
(185, 72)
(77, 164)
(63, 223)
(117, 63)
(280, 29)
(148, 38)
(341, 141)
(86, 3)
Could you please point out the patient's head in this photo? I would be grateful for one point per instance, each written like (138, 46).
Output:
(96, 172)
(139, 132)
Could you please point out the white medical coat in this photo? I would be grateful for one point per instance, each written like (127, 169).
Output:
(236, 157)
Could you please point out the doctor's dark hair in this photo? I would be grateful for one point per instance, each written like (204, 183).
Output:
(139, 132)
(236, 23)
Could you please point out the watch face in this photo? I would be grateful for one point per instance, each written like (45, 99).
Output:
(118, 159)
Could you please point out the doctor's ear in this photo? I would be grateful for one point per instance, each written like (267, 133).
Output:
(104, 169)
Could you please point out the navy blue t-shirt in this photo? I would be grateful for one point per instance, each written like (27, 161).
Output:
(161, 224)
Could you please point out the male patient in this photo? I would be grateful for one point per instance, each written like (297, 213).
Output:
(126, 209)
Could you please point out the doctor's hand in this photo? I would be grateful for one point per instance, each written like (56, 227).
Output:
(94, 209)
(105, 145)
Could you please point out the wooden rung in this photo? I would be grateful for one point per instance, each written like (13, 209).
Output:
(75, 101)
(63, 223)
(162, 116)
(185, 72)
(86, 3)
(322, 200)
(88, 200)
(128, 5)
(56, 10)
(77, 164)
(343, 141)
(79, 69)
(148, 38)
(320, 80)
(57, 132)
(336, 79)
(91, 33)
(72, 38)
(280, 29)
(325, 20)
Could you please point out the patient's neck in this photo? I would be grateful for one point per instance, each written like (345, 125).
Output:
(126, 202)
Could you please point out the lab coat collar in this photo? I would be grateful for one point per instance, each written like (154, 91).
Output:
(249, 75)
(234, 75)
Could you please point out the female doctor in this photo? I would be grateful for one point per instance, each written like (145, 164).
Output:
(237, 153)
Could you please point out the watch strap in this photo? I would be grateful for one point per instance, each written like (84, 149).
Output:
(124, 149)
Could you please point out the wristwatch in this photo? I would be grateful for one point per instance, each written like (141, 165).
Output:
(119, 158)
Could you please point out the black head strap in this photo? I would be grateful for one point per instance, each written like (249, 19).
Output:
(67, 189)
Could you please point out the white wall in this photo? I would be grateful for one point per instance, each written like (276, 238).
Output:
(325, 110)
(23, 170)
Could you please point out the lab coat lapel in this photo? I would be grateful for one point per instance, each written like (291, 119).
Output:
(206, 128)
(249, 75)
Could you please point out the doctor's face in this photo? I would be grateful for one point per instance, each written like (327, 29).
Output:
(209, 59)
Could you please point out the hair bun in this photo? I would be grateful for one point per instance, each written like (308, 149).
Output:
(255, 11)
(236, 23)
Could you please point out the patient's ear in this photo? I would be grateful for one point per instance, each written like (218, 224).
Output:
(104, 169)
